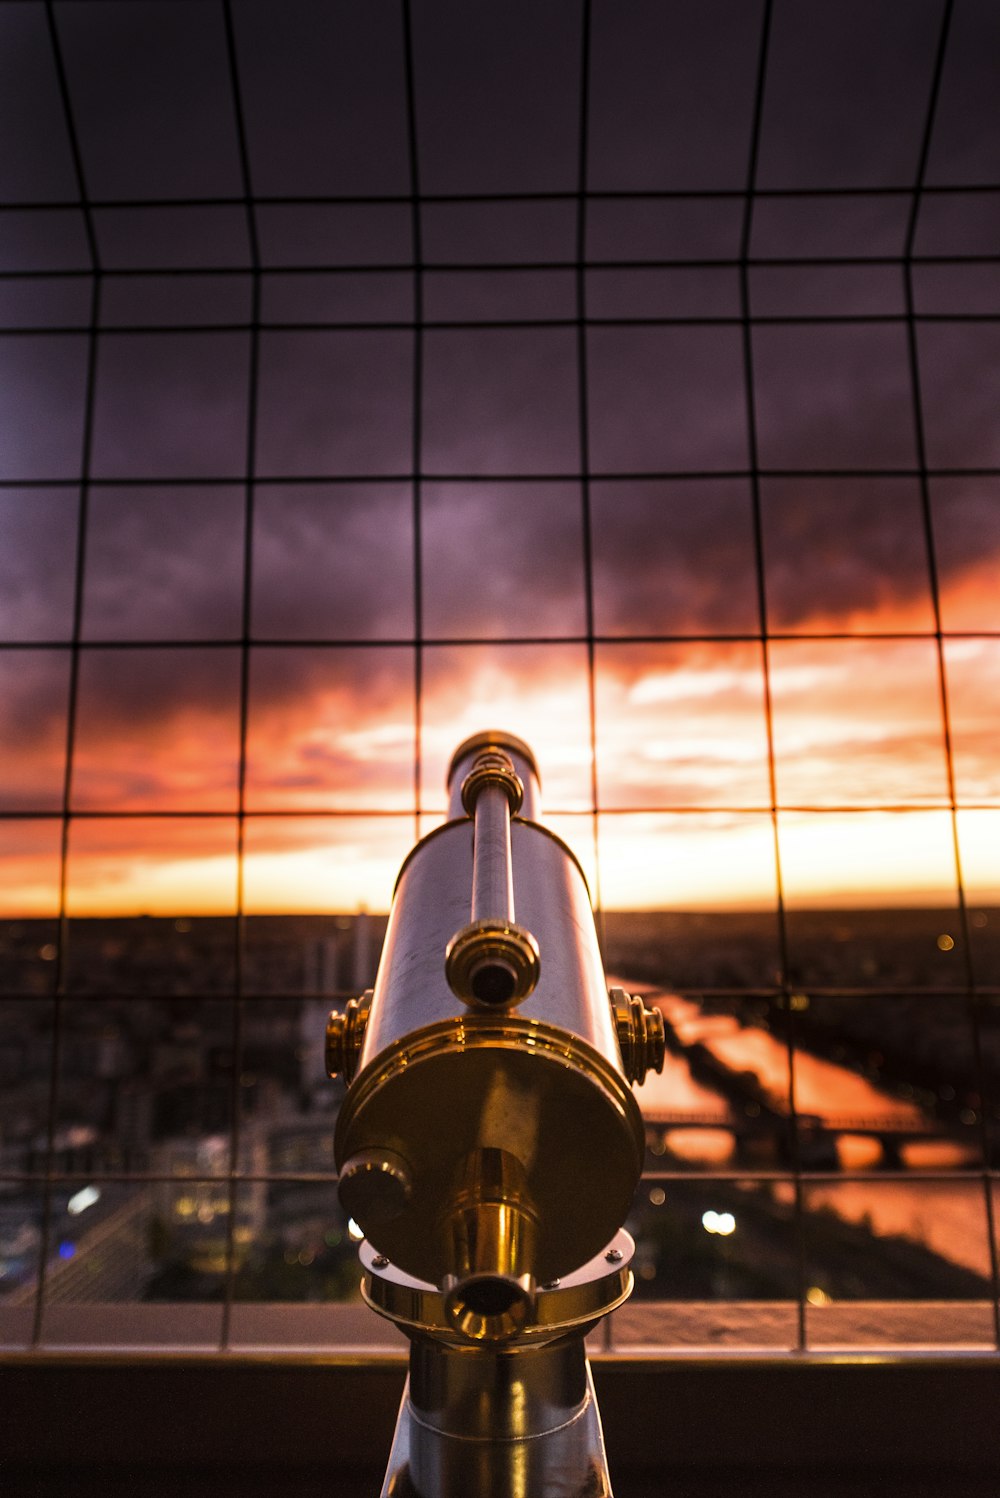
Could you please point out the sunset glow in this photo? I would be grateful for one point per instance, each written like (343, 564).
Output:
(682, 762)
(680, 727)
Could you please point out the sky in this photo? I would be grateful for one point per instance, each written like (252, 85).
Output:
(605, 518)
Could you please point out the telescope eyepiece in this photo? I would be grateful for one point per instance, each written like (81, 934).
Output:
(493, 768)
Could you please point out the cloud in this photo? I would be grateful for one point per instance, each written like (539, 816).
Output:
(34, 690)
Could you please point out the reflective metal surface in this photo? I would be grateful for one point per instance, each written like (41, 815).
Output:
(520, 755)
(641, 1035)
(345, 1034)
(468, 1083)
(568, 1460)
(432, 902)
(490, 1153)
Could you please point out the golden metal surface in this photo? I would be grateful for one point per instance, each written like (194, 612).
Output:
(491, 1230)
(345, 1035)
(493, 963)
(641, 1035)
(490, 1157)
(505, 1082)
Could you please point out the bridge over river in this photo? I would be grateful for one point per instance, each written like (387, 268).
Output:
(726, 1091)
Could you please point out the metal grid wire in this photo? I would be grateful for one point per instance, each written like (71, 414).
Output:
(236, 1177)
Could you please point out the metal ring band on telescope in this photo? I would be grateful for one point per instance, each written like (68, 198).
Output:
(592, 1291)
(493, 767)
(493, 738)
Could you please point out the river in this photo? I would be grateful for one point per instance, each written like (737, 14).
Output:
(699, 1127)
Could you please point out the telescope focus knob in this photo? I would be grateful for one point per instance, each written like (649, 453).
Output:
(375, 1187)
(641, 1036)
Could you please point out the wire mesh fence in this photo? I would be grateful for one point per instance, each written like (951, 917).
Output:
(332, 432)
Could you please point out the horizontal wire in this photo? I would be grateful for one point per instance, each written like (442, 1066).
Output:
(479, 266)
(553, 476)
(476, 642)
(650, 1173)
(514, 324)
(736, 194)
(699, 809)
(701, 991)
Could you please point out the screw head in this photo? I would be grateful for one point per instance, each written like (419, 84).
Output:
(614, 1256)
(380, 1262)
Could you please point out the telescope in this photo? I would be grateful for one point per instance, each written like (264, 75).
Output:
(489, 1143)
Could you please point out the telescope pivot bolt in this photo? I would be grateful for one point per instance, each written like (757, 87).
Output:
(641, 1036)
(345, 1034)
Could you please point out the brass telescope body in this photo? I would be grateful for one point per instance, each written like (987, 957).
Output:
(489, 1143)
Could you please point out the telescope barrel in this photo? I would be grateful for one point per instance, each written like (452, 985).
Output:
(489, 1143)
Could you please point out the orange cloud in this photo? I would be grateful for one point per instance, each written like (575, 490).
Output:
(679, 725)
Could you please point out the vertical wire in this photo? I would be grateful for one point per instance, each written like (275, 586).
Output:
(762, 613)
(60, 979)
(60, 976)
(942, 675)
(416, 464)
(246, 624)
(583, 419)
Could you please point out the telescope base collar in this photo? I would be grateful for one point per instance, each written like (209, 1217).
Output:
(568, 1461)
(574, 1303)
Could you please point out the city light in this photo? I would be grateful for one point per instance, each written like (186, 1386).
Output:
(722, 1223)
(82, 1200)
